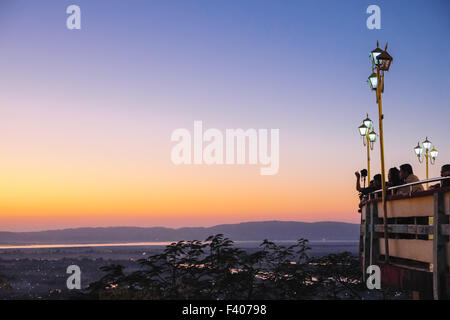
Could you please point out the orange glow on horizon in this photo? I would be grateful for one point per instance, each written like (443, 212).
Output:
(56, 177)
(167, 196)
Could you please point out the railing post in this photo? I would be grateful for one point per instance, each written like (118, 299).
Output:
(374, 242)
(439, 249)
(361, 245)
(366, 240)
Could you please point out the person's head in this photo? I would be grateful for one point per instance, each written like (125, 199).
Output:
(405, 170)
(377, 180)
(394, 176)
(445, 170)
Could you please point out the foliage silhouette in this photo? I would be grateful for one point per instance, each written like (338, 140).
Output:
(4, 285)
(339, 275)
(215, 269)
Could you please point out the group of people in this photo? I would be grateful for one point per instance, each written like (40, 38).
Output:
(400, 177)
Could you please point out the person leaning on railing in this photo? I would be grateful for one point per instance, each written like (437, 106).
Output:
(445, 172)
(393, 179)
(407, 176)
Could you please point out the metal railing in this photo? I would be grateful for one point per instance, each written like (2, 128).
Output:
(410, 185)
(401, 229)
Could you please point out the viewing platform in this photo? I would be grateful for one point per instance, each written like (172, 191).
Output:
(418, 239)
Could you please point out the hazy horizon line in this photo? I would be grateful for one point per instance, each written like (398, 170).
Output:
(175, 228)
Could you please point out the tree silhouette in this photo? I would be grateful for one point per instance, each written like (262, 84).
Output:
(284, 271)
(3, 284)
(215, 269)
(339, 275)
(110, 285)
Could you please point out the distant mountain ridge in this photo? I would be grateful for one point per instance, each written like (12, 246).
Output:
(246, 231)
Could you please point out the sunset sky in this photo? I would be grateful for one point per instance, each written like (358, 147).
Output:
(86, 115)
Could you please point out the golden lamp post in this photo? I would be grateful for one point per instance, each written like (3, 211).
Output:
(381, 62)
(368, 137)
(430, 153)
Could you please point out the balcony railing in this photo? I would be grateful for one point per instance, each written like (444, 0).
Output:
(376, 194)
(418, 234)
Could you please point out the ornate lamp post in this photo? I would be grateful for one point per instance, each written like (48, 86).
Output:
(368, 137)
(381, 62)
(430, 153)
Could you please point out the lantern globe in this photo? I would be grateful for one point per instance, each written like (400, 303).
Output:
(374, 56)
(418, 150)
(426, 144)
(384, 61)
(363, 130)
(372, 136)
(368, 123)
(434, 153)
(373, 81)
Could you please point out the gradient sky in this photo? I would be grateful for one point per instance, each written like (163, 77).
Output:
(86, 116)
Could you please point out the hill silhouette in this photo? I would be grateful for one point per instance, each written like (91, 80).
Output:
(246, 231)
